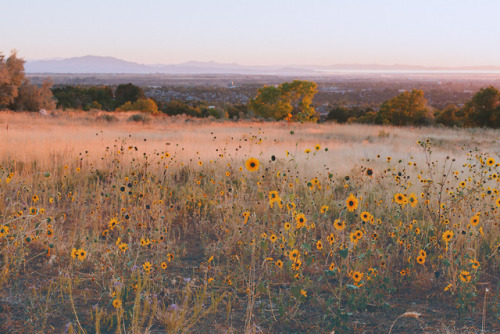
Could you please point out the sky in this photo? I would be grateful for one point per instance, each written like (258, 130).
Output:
(257, 32)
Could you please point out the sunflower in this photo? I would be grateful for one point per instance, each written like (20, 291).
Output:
(357, 276)
(447, 235)
(296, 265)
(4, 230)
(317, 147)
(413, 200)
(422, 253)
(123, 246)
(369, 172)
(33, 211)
(163, 265)
(463, 184)
(35, 198)
(307, 151)
(273, 238)
(474, 220)
(339, 225)
(300, 220)
(294, 255)
(112, 223)
(353, 237)
(421, 259)
(332, 266)
(147, 266)
(324, 209)
(279, 264)
(273, 197)
(81, 254)
(117, 303)
(319, 245)
(490, 162)
(474, 263)
(365, 216)
(290, 206)
(73, 253)
(352, 203)
(170, 257)
(331, 239)
(252, 164)
(400, 199)
(465, 276)
(359, 234)
(497, 202)
(287, 226)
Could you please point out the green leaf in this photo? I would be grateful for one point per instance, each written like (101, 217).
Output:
(295, 291)
(352, 287)
(344, 252)
(306, 246)
(330, 273)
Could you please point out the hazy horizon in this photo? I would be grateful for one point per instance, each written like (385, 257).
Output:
(257, 33)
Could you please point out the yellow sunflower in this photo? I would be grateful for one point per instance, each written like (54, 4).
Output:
(252, 164)
(352, 203)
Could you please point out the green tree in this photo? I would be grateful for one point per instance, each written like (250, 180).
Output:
(448, 116)
(408, 108)
(483, 109)
(11, 78)
(290, 100)
(128, 93)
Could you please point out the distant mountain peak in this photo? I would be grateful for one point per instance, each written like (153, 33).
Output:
(106, 64)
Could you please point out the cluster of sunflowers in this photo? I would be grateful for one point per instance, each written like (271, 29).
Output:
(149, 230)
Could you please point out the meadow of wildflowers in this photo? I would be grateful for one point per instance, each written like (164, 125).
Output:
(180, 227)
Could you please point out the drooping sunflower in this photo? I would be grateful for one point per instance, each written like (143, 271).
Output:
(324, 209)
(339, 225)
(252, 164)
(465, 276)
(352, 203)
(474, 263)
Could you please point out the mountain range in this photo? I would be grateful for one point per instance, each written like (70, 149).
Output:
(108, 65)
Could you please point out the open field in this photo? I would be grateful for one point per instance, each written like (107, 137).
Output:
(181, 225)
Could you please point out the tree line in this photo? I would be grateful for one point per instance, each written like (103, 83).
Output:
(290, 101)
(411, 108)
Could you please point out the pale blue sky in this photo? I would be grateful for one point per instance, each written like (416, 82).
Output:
(257, 32)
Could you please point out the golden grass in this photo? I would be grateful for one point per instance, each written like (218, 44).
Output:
(126, 227)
